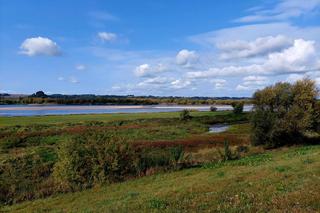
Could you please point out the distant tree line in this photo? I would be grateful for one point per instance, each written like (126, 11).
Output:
(89, 99)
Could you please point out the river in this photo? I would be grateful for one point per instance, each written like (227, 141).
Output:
(32, 110)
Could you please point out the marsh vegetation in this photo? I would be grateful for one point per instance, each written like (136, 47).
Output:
(93, 154)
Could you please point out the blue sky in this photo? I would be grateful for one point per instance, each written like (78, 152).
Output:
(168, 47)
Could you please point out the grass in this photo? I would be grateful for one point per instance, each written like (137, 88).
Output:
(58, 119)
(281, 181)
(32, 148)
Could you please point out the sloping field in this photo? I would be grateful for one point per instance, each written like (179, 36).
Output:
(284, 180)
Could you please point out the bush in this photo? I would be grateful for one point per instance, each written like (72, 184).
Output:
(89, 160)
(185, 115)
(283, 113)
(86, 161)
(213, 108)
(25, 177)
(237, 107)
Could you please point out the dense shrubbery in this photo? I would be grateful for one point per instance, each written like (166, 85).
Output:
(88, 160)
(82, 162)
(237, 107)
(185, 115)
(213, 108)
(26, 177)
(97, 159)
(284, 113)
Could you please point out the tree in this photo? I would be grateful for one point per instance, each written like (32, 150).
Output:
(185, 115)
(237, 107)
(284, 112)
(39, 94)
(213, 108)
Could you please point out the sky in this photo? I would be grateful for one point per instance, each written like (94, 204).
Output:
(164, 48)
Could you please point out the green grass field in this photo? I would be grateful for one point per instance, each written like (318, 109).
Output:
(56, 119)
(286, 180)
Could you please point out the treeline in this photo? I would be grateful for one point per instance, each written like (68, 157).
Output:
(89, 99)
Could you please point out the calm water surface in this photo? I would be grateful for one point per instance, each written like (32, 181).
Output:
(32, 110)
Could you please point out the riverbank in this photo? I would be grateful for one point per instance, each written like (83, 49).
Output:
(37, 110)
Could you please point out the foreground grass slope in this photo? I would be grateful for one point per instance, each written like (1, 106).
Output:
(284, 180)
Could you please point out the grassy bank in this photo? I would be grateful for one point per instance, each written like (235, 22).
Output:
(285, 180)
(56, 119)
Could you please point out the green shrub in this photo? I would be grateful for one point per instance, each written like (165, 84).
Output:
(237, 107)
(185, 115)
(25, 177)
(213, 109)
(90, 160)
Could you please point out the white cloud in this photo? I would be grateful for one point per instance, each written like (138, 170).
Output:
(73, 80)
(254, 31)
(61, 78)
(219, 83)
(142, 70)
(284, 10)
(39, 46)
(81, 67)
(186, 57)
(300, 57)
(292, 78)
(242, 88)
(180, 83)
(260, 46)
(107, 36)
(146, 70)
(255, 80)
(156, 81)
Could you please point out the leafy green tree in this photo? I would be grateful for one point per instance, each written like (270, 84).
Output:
(284, 112)
(237, 107)
(185, 115)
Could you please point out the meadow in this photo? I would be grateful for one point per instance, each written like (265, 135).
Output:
(163, 163)
(284, 180)
(29, 145)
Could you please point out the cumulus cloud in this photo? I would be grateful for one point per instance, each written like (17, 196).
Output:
(73, 80)
(39, 46)
(107, 36)
(300, 57)
(219, 83)
(180, 83)
(254, 31)
(242, 88)
(260, 46)
(186, 57)
(284, 10)
(81, 67)
(252, 83)
(156, 81)
(255, 80)
(146, 70)
(292, 78)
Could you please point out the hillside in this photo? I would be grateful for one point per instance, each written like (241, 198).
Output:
(283, 180)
